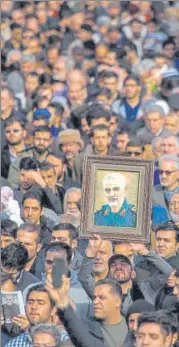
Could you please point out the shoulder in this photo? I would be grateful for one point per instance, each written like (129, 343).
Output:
(104, 210)
(158, 188)
(22, 340)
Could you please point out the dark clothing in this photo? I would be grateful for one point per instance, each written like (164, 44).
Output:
(76, 260)
(161, 296)
(83, 334)
(5, 161)
(14, 113)
(24, 280)
(46, 225)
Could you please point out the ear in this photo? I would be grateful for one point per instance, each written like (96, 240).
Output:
(39, 246)
(74, 244)
(53, 311)
(174, 338)
(24, 133)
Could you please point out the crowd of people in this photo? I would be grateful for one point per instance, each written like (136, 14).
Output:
(85, 77)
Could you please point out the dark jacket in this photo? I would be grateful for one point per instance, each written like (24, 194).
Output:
(46, 225)
(76, 261)
(25, 280)
(5, 161)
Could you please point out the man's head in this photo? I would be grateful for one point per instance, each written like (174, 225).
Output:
(45, 332)
(169, 171)
(114, 185)
(132, 87)
(48, 174)
(122, 139)
(27, 165)
(8, 232)
(14, 131)
(170, 144)
(98, 116)
(176, 287)
(65, 232)
(166, 240)
(111, 81)
(42, 139)
(120, 268)
(107, 300)
(124, 248)
(100, 138)
(72, 200)
(39, 307)
(135, 149)
(174, 208)
(7, 99)
(154, 119)
(31, 82)
(70, 143)
(29, 235)
(58, 250)
(156, 147)
(169, 48)
(60, 69)
(171, 123)
(77, 93)
(101, 261)
(32, 207)
(157, 329)
(9, 300)
(58, 161)
(135, 310)
(14, 257)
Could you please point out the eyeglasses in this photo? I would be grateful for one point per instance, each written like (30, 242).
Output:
(135, 153)
(167, 172)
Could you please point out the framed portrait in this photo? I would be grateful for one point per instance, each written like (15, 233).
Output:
(12, 305)
(116, 198)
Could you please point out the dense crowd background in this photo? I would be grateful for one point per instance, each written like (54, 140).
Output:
(87, 77)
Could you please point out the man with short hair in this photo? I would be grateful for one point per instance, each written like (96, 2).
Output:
(121, 139)
(67, 233)
(174, 208)
(15, 133)
(154, 124)
(157, 329)
(135, 149)
(39, 309)
(166, 240)
(171, 123)
(42, 140)
(108, 327)
(168, 173)
(8, 232)
(169, 144)
(118, 211)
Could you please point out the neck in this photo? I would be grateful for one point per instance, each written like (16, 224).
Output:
(126, 286)
(133, 101)
(105, 152)
(70, 162)
(6, 113)
(41, 157)
(30, 263)
(17, 148)
(100, 276)
(115, 318)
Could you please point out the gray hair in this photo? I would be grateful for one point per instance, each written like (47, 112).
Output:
(45, 328)
(155, 141)
(168, 135)
(73, 189)
(170, 157)
(11, 53)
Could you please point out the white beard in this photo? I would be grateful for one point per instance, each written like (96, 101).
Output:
(174, 217)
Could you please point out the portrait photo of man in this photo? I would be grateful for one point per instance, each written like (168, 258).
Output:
(117, 211)
(10, 308)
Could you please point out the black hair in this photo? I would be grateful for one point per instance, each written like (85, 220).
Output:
(60, 247)
(169, 41)
(31, 228)
(12, 120)
(45, 166)
(136, 143)
(31, 15)
(97, 113)
(168, 226)
(58, 155)
(123, 130)
(170, 83)
(59, 109)
(28, 163)
(86, 27)
(134, 78)
(100, 127)
(9, 228)
(109, 74)
(165, 320)
(42, 129)
(105, 91)
(39, 288)
(121, 257)
(45, 78)
(14, 256)
(33, 74)
(15, 26)
(115, 286)
(131, 46)
(73, 234)
(34, 195)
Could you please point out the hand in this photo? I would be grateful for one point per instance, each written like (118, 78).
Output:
(58, 295)
(139, 248)
(36, 176)
(94, 246)
(21, 321)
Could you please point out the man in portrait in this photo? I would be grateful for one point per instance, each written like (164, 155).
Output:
(10, 309)
(118, 211)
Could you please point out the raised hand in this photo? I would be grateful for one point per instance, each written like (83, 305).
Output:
(21, 321)
(94, 246)
(58, 295)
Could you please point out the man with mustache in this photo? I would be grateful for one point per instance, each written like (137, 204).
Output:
(118, 211)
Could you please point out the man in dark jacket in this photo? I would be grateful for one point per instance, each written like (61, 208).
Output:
(106, 328)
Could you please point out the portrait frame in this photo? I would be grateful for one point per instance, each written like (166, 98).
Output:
(144, 170)
(17, 300)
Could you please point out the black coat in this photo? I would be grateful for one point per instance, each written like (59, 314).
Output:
(5, 161)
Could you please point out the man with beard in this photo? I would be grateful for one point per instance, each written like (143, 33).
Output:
(14, 135)
(118, 211)
(174, 208)
(72, 202)
(30, 177)
(42, 140)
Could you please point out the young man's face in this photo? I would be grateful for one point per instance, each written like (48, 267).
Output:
(165, 243)
(49, 177)
(151, 335)
(38, 308)
(30, 242)
(101, 140)
(31, 211)
(42, 141)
